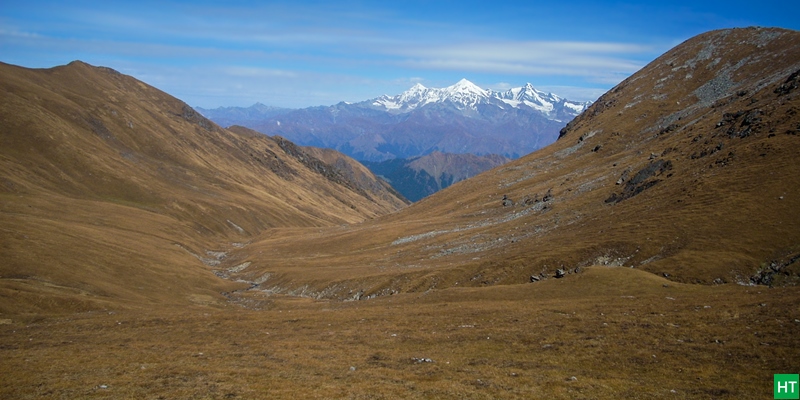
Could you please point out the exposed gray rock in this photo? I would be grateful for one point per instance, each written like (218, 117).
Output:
(642, 180)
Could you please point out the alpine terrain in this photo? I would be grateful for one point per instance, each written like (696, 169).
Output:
(652, 251)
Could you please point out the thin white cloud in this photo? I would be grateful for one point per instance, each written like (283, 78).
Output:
(591, 59)
(500, 86)
(295, 54)
(14, 33)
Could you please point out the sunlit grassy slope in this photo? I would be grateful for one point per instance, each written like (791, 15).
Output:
(113, 190)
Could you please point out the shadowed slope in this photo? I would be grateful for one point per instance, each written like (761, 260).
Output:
(687, 169)
(423, 176)
(112, 188)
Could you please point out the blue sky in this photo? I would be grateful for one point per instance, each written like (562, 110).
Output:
(308, 53)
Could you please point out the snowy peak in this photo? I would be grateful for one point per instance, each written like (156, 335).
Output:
(416, 91)
(463, 95)
(551, 105)
(467, 96)
(530, 97)
(416, 94)
(465, 87)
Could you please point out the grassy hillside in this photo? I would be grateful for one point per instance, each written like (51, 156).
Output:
(685, 170)
(111, 187)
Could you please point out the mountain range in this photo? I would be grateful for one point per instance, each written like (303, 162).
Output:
(462, 118)
(464, 126)
(469, 98)
(651, 251)
(243, 116)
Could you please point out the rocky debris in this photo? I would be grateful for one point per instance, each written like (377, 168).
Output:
(217, 256)
(548, 196)
(237, 227)
(416, 360)
(190, 115)
(601, 105)
(239, 268)
(559, 273)
(742, 123)
(566, 129)
(414, 238)
(642, 181)
(668, 129)
(779, 272)
(331, 173)
(708, 151)
(528, 201)
(587, 135)
(100, 129)
(624, 176)
(791, 83)
(269, 159)
(721, 86)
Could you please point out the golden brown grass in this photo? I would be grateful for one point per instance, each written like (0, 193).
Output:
(618, 331)
(109, 188)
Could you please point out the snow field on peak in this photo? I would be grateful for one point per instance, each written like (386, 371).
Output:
(466, 95)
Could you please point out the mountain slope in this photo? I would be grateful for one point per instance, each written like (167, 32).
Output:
(686, 170)
(105, 177)
(423, 176)
(357, 173)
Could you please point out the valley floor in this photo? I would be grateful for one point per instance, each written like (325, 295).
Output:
(611, 332)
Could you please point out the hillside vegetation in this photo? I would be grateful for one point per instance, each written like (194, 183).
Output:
(111, 187)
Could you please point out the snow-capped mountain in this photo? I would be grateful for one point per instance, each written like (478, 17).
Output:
(467, 96)
(546, 103)
(462, 118)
